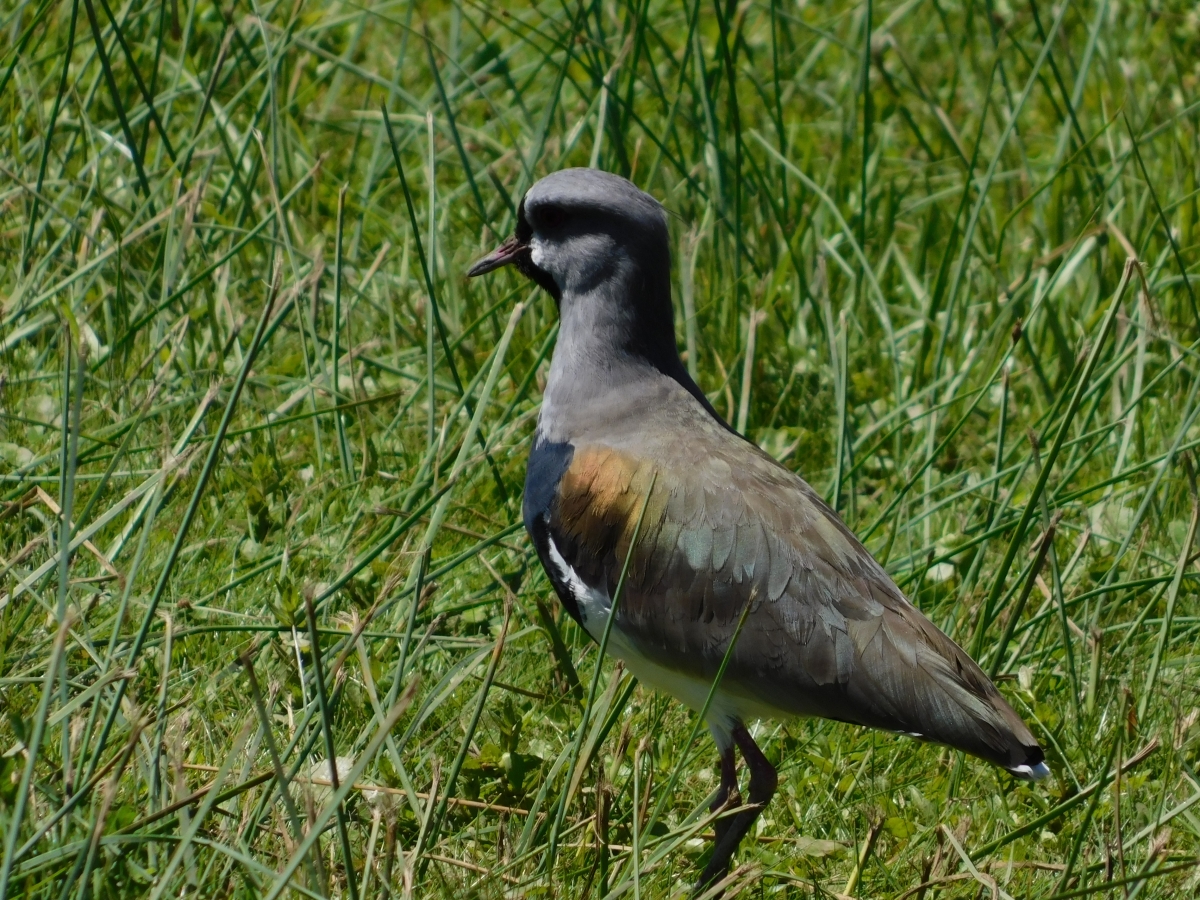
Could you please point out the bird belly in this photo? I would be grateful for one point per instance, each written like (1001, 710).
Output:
(727, 707)
(595, 606)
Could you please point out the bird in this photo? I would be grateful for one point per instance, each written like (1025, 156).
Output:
(737, 560)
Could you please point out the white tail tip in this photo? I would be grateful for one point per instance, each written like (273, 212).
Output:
(1031, 773)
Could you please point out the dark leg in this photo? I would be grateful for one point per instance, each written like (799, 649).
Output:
(728, 796)
(731, 830)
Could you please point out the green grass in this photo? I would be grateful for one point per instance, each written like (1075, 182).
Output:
(238, 351)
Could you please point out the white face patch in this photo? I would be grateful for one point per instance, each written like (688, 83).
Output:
(538, 255)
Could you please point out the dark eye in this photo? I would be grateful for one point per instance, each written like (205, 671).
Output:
(553, 216)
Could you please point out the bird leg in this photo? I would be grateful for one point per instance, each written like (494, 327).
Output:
(731, 829)
(727, 794)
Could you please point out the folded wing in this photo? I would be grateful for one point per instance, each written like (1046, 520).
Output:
(828, 632)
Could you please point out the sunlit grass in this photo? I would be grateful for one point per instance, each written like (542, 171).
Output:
(940, 258)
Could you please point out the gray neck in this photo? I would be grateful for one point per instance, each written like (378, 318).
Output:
(590, 361)
(618, 336)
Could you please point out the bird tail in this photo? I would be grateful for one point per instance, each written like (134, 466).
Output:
(912, 678)
(971, 715)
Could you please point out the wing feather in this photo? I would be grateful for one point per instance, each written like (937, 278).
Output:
(829, 633)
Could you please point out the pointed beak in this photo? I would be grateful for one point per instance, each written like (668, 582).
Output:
(504, 255)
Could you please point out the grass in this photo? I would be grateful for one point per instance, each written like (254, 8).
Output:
(262, 445)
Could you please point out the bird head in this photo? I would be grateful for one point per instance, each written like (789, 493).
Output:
(580, 229)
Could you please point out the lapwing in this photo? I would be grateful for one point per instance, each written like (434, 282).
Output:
(731, 543)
